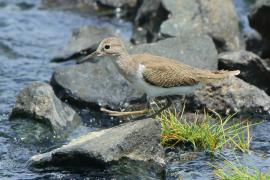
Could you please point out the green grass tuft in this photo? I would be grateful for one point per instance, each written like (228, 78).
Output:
(209, 133)
(232, 171)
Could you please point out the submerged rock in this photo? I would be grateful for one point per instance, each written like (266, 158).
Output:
(230, 95)
(137, 141)
(100, 84)
(216, 18)
(38, 101)
(83, 40)
(253, 69)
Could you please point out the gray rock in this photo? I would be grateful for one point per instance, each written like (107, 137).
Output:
(93, 85)
(38, 101)
(133, 141)
(216, 18)
(259, 19)
(86, 39)
(89, 4)
(190, 48)
(253, 69)
(100, 84)
(230, 95)
(119, 3)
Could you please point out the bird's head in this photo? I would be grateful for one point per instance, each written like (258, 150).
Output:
(112, 46)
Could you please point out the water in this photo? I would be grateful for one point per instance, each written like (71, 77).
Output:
(29, 36)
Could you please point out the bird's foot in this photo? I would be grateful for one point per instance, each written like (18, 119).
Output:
(120, 113)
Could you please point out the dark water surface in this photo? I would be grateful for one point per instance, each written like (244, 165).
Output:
(29, 37)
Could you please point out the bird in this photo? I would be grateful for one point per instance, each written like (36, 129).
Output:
(153, 75)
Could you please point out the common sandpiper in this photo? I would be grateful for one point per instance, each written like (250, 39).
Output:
(154, 75)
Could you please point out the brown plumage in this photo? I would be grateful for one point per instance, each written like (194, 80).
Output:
(164, 72)
(154, 75)
(151, 73)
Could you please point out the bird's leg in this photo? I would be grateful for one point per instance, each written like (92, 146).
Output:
(139, 112)
(169, 103)
(128, 113)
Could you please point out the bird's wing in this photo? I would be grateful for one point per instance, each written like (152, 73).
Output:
(169, 75)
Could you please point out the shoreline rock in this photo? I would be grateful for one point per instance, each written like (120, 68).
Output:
(38, 101)
(254, 70)
(203, 17)
(229, 96)
(137, 141)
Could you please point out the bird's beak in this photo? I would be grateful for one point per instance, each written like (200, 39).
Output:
(89, 57)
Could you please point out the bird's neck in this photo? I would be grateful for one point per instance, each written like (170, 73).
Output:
(125, 64)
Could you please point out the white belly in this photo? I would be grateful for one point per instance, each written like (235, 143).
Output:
(154, 91)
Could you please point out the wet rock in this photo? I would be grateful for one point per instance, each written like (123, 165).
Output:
(93, 85)
(260, 20)
(83, 40)
(253, 69)
(216, 18)
(38, 101)
(119, 3)
(137, 141)
(89, 5)
(100, 84)
(230, 95)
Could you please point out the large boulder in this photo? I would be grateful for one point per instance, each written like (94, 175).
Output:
(216, 18)
(230, 95)
(260, 20)
(100, 84)
(83, 40)
(253, 69)
(137, 141)
(93, 84)
(38, 101)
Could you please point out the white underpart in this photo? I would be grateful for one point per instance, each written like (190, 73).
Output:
(154, 91)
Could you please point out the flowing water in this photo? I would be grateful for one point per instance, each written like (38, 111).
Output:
(29, 36)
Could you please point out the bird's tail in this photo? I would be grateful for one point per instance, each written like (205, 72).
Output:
(218, 75)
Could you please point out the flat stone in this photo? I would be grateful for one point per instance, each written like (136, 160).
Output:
(38, 101)
(133, 141)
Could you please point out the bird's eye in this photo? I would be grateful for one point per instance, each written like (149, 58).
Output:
(107, 46)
